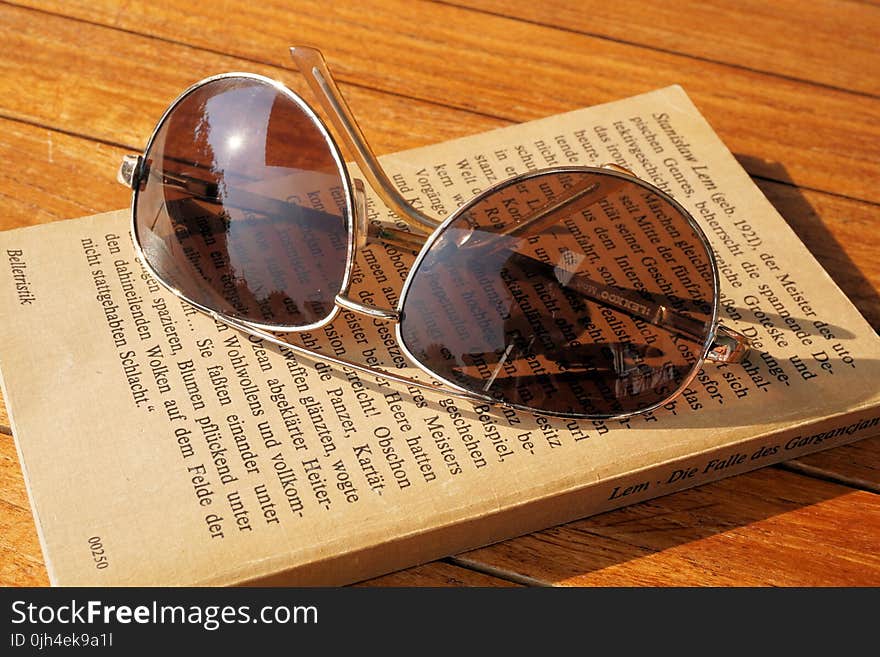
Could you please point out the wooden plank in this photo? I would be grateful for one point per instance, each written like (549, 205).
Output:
(820, 138)
(12, 488)
(115, 86)
(46, 175)
(831, 43)
(768, 527)
(21, 560)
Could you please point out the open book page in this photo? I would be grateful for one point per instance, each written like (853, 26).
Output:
(160, 447)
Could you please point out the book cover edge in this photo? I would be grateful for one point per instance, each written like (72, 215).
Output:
(316, 572)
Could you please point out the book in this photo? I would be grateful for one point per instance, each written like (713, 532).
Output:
(162, 448)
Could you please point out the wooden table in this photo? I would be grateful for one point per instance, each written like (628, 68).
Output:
(792, 88)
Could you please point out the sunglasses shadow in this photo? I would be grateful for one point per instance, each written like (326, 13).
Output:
(747, 530)
(807, 223)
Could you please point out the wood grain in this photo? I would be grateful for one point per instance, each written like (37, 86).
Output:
(21, 560)
(784, 37)
(46, 175)
(12, 489)
(509, 69)
(112, 86)
(767, 527)
(438, 573)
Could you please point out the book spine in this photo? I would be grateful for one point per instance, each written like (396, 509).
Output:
(725, 461)
(580, 502)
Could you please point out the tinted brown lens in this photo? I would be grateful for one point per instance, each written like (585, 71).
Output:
(243, 207)
(578, 293)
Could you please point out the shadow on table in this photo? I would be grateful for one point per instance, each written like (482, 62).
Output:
(805, 221)
(768, 541)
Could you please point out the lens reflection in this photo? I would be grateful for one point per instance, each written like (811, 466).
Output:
(578, 293)
(243, 207)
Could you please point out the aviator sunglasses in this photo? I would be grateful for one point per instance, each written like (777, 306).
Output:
(572, 291)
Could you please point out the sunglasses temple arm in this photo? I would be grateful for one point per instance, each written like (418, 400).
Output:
(314, 68)
(728, 346)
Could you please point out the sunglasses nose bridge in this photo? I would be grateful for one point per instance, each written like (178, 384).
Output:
(347, 303)
(361, 228)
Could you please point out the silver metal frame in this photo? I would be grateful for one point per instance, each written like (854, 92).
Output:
(731, 347)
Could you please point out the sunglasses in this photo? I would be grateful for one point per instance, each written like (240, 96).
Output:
(578, 292)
